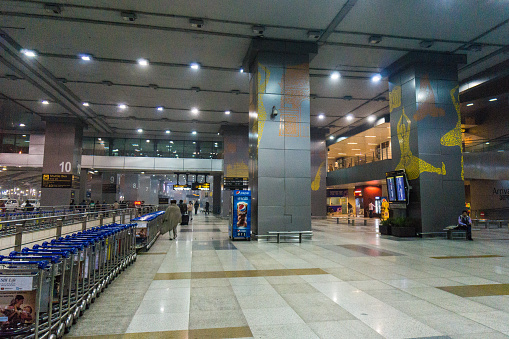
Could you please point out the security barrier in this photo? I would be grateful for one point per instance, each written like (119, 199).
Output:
(46, 288)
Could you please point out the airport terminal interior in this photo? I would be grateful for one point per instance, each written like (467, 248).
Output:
(340, 169)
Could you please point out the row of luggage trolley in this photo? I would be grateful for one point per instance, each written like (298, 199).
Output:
(148, 229)
(46, 288)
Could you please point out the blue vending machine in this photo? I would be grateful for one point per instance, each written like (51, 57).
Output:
(240, 216)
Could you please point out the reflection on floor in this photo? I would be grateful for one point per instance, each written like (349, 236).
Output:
(347, 282)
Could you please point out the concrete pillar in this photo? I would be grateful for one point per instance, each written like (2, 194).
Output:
(318, 173)
(216, 195)
(129, 186)
(426, 134)
(109, 187)
(62, 157)
(236, 159)
(96, 188)
(279, 134)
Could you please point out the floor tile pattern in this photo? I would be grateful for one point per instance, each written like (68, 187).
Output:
(347, 282)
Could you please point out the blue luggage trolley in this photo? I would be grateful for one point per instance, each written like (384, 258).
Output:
(240, 216)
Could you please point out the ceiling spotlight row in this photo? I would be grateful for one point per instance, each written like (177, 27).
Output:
(335, 75)
(371, 118)
(490, 100)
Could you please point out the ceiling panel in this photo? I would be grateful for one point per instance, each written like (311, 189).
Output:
(162, 33)
(332, 57)
(451, 19)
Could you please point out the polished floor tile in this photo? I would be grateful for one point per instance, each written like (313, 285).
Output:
(346, 282)
(477, 290)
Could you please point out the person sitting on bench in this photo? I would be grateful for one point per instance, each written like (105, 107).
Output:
(465, 223)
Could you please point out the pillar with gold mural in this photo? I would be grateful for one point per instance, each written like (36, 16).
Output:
(426, 135)
(279, 135)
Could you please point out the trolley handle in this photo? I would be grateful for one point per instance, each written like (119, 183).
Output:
(40, 264)
(63, 253)
(53, 258)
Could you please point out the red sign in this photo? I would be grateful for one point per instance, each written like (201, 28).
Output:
(137, 203)
(482, 214)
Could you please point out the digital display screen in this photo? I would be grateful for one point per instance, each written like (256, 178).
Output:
(391, 188)
(400, 188)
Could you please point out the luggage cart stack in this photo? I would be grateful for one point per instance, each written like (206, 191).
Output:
(46, 288)
(148, 229)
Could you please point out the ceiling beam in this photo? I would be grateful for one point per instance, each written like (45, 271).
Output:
(337, 20)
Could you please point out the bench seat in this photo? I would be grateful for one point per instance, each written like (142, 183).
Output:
(289, 233)
(450, 232)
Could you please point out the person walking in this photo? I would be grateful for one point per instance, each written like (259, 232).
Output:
(371, 207)
(207, 206)
(190, 210)
(172, 217)
(196, 206)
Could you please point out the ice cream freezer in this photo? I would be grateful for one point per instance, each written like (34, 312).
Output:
(240, 215)
(148, 228)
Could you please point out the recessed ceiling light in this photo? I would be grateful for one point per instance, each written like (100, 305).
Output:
(370, 136)
(321, 116)
(45, 102)
(331, 137)
(194, 110)
(241, 70)
(22, 125)
(148, 140)
(29, 53)
(140, 130)
(352, 143)
(86, 104)
(335, 75)
(371, 118)
(349, 117)
(227, 112)
(85, 57)
(487, 143)
(143, 62)
(193, 132)
(142, 172)
(195, 65)
(160, 108)
(122, 106)
(470, 104)
(494, 99)
(373, 144)
(376, 78)
(375, 39)
(99, 139)
(356, 149)
(167, 131)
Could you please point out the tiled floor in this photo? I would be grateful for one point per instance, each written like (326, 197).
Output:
(347, 282)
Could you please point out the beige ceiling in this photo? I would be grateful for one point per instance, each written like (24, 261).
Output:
(162, 34)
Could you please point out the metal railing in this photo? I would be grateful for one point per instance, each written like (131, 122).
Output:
(500, 144)
(347, 162)
(20, 227)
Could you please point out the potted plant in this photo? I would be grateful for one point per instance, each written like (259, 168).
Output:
(385, 226)
(403, 227)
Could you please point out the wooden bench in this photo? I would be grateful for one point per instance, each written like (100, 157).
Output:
(450, 231)
(290, 233)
